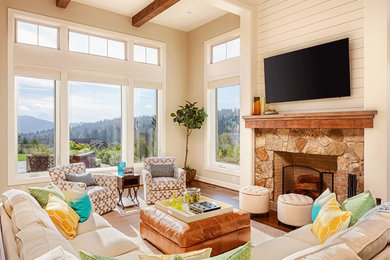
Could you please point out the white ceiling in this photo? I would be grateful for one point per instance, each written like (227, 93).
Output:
(185, 15)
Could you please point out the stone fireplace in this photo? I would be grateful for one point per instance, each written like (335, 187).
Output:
(325, 149)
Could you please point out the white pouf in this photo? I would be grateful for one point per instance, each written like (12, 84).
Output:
(254, 199)
(294, 209)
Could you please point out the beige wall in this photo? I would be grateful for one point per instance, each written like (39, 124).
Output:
(195, 92)
(292, 25)
(176, 51)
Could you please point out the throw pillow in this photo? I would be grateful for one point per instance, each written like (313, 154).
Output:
(385, 207)
(330, 220)
(86, 178)
(239, 253)
(87, 256)
(82, 206)
(41, 194)
(359, 205)
(57, 253)
(63, 216)
(194, 255)
(162, 170)
(321, 201)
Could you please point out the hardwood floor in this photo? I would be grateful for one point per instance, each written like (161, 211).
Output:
(231, 197)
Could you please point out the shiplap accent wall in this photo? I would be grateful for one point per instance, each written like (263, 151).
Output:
(289, 25)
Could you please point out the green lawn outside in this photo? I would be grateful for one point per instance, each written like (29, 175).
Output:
(22, 157)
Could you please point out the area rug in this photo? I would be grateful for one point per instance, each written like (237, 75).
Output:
(127, 221)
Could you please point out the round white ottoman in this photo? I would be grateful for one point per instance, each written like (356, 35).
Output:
(294, 209)
(254, 199)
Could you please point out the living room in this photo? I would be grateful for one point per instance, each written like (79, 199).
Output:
(97, 84)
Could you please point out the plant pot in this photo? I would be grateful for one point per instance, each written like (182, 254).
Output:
(190, 176)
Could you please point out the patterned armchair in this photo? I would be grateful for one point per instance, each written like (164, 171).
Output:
(103, 196)
(161, 188)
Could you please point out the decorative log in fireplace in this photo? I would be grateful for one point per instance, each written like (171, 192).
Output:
(305, 180)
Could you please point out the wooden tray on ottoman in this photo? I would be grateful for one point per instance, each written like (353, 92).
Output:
(188, 216)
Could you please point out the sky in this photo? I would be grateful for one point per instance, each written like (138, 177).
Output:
(88, 102)
(228, 97)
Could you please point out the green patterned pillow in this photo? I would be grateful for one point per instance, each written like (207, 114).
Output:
(41, 194)
(87, 256)
(240, 253)
(359, 205)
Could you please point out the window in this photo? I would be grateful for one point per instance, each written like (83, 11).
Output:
(146, 54)
(36, 117)
(228, 124)
(145, 123)
(95, 124)
(34, 34)
(79, 42)
(226, 50)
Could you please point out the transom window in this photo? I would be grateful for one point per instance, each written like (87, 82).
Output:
(226, 50)
(84, 43)
(146, 54)
(34, 34)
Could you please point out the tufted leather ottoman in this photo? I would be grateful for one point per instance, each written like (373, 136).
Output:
(171, 235)
(294, 209)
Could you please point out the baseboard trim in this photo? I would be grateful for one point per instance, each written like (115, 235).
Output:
(218, 183)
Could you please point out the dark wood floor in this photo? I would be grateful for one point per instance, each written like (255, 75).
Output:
(231, 197)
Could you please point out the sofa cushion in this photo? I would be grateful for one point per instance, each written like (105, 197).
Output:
(94, 222)
(8, 236)
(63, 216)
(86, 178)
(304, 235)
(330, 220)
(57, 253)
(27, 213)
(162, 169)
(36, 240)
(12, 197)
(278, 248)
(105, 241)
(41, 194)
(368, 237)
(359, 205)
(331, 252)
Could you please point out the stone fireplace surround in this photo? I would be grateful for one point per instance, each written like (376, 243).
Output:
(338, 135)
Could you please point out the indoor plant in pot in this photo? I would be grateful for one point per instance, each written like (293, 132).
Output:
(191, 117)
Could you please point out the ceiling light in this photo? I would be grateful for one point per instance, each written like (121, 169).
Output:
(189, 12)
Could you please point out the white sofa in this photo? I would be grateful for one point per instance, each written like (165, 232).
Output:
(95, 235)
(369, 239)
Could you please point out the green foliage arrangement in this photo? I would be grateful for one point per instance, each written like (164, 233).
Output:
(191, 117)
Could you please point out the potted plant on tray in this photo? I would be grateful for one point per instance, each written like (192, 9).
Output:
(191, 117)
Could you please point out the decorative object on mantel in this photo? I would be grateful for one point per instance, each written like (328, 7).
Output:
(262, 104)
(271, 112)
(191, 117)
(256, 106)
(345, 119)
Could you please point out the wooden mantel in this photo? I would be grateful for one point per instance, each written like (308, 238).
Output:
(345, 119)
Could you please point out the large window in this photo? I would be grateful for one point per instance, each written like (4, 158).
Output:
(228, 124)
(95, 124)
(35, 34)
(226, 50)
(145, 123)
(36, 124)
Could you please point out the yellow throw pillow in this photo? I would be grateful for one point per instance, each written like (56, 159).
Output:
(330, 220)
(65, 218)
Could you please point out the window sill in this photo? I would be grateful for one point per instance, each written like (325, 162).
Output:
(29, 178)
(224, 169)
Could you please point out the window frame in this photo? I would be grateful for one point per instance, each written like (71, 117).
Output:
(151, 47)
(225, 41)
(37, 23)
(100, 70)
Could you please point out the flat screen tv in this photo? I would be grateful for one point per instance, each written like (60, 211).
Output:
(317, 72)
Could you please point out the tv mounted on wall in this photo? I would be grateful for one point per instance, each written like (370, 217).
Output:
(317, 72)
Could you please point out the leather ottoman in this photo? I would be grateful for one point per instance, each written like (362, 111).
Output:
(172, 236)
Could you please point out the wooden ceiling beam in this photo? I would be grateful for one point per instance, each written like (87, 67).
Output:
(153, 9)
(62, 3)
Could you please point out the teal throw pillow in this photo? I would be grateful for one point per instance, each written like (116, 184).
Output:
(321, 201)
(41, 194)
(87, 256)
(82, 207)
(359, 205)
(240, 253)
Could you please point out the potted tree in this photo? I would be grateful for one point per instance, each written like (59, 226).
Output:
(191, 117)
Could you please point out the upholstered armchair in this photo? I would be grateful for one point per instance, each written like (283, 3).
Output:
(103, 196)
(160, 188)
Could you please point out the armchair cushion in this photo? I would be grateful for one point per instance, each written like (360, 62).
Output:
(162, 169)
(82, 177)
(58, 174)
(165, 183)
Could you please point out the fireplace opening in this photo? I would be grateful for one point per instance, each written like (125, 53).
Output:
(306, 180)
